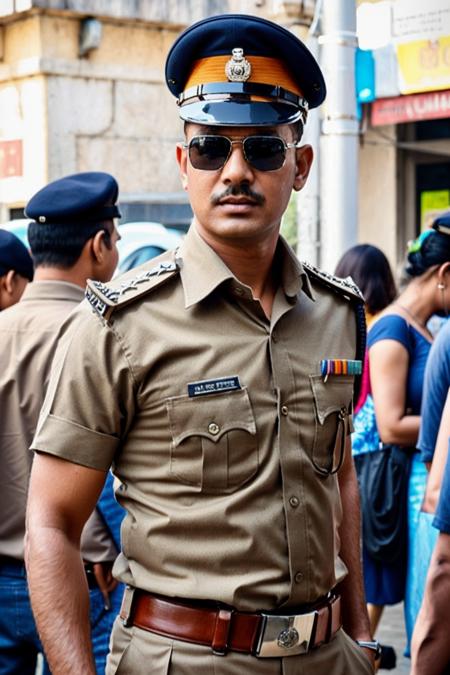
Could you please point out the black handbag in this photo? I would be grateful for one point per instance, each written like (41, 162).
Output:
(383, 485)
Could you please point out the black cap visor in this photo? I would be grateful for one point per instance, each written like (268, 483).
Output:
(232, 113)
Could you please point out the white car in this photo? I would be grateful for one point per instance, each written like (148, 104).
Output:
(140, 241)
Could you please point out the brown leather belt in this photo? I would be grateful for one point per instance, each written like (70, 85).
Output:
(221, 628)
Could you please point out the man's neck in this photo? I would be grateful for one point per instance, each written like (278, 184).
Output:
(253, 264)
(71, 275)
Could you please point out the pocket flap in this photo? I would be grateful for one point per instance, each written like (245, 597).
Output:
(331, 396)
(210, 416)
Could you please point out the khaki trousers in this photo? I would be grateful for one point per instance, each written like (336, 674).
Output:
(138, 652)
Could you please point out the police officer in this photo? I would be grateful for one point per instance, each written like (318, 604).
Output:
(16, 269)
(218, 381)
(72, 237)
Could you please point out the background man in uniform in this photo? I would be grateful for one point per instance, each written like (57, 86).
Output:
(218, 381)
(16, 269)
(72, 238)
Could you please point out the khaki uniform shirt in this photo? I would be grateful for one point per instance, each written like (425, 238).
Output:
(226, 493)
(28, 336)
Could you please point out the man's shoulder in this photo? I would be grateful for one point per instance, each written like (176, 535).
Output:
(131, 287)
(345, 288)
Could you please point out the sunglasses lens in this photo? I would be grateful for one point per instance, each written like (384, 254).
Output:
(265, 153)
(209, 153)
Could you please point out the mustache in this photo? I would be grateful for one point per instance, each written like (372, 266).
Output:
(242, 189)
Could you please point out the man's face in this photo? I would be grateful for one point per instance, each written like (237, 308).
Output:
(238, 203)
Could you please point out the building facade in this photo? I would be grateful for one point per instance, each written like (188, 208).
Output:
(405, 142)
(82, 88)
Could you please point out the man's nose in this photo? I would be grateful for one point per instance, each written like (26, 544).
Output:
(236, 168)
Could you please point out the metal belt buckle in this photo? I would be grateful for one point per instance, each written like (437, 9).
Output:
(285, 635)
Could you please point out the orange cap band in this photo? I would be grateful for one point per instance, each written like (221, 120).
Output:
(265, 70)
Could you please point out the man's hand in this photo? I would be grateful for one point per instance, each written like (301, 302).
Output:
(105, 581)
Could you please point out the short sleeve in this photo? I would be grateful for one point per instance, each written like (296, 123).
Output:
(436, 385)
(90, 397)
(390, 327)
(442, 518)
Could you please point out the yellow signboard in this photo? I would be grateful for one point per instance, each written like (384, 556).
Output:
(424, 65)
(432, 204)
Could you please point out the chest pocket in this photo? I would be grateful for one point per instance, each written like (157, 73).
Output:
(214, 444)
(332, 405)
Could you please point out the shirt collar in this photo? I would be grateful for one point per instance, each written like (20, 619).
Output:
(202, 270)
(52, 290)
(293, 275)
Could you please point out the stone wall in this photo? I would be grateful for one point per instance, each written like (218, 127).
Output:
(109, 109)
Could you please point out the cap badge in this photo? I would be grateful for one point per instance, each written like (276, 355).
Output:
(42, 219)
(238, 69)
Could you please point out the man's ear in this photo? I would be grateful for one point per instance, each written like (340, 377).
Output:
(304, 158)
(8, 281)
(182, 164)
(98, 246)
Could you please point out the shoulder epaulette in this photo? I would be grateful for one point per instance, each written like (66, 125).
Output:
(349, 290)
(108, 298)
(344, 287)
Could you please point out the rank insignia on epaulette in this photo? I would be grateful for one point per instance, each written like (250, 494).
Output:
(133, 283)
(105, 298)
(346, 285)
(99, 306)
(340, 367)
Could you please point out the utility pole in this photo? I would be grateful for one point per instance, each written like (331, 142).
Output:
(308, 199)
(339, 141)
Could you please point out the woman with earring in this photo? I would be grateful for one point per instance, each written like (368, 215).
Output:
(398, 343)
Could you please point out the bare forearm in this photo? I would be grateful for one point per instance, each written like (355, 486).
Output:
(404, 431)
(430, 644)
(355, 619)
(60, 601)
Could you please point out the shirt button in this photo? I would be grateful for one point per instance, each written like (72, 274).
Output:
(298, 577)
(284, 410)
(294, 502)
(213, 428)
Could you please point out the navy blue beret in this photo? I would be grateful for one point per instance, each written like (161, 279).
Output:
(82, 198)
(442, 223)
(235, 69)
(14, 256)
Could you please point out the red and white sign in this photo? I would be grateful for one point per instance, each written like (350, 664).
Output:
(11, 158)
(413, 108)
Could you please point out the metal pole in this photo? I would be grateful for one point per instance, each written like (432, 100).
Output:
(339, 142)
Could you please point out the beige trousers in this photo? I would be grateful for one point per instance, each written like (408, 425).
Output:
(138, 652)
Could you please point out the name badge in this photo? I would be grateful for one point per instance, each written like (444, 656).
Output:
(217, 386)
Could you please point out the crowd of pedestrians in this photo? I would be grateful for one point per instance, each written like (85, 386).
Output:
(397, 417)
